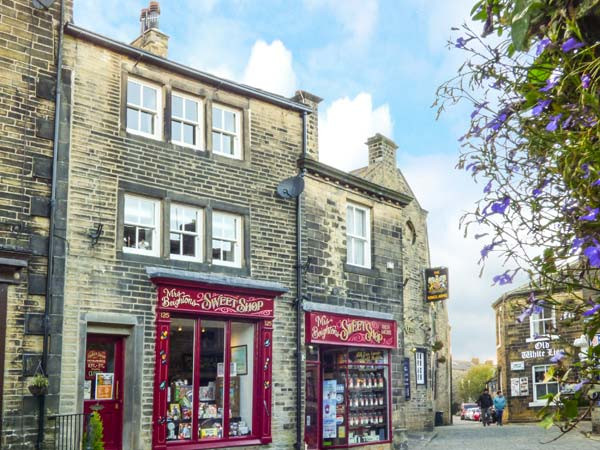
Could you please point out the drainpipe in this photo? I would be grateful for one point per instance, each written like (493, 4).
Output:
(299, 414)
(51, 239)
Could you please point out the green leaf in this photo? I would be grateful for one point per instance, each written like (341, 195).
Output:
(547, 422)
(570, 408)
(520, 25)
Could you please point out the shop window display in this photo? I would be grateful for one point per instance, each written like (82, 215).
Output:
(355, 404)
(224, 402)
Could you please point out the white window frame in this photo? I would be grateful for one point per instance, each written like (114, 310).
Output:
(499, 327)
(198, 234)
(534, 319)
(237, 137)
(420, 367)
(238, 248)
(197, 125)
(156, 229)
(352, 238)
(536, 401)
(156, 114)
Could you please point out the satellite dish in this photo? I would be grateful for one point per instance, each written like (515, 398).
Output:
(291, 187)
(41, 4)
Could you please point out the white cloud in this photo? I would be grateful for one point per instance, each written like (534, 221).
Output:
(270, 68)
(346, 125)
(358, 17)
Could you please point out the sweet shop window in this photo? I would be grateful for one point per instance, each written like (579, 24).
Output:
(355, 396)
(222, 377)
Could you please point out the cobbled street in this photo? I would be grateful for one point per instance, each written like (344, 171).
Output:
(472, 435)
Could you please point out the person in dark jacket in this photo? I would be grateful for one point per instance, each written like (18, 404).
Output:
(485, 402)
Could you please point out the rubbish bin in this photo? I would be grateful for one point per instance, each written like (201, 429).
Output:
(439, 418)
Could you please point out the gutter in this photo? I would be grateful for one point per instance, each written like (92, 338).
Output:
(142, 55)
(51, 238)
(299, 295)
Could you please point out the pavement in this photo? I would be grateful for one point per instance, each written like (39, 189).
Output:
(466, 435)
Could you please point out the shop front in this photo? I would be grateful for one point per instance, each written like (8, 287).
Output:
(348, 379)
(213, 360)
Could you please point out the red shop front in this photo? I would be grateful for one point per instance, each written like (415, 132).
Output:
(213, 361)
(348, 380)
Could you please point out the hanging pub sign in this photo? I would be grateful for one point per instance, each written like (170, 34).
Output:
(327, 328)
(207, 302)
(436, 284)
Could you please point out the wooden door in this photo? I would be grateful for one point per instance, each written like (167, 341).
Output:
(103, 389)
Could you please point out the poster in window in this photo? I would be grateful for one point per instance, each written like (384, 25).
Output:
(524, 386)
(329, 409)
(436, 284)
(95, 361)
(239, 356)
(104, 386)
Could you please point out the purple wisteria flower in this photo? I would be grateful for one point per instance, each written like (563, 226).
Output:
(577, 243)
(542, 46)
(558, 356)
(500, 207)
(593, 310)
(460, 42)
(503, 278)
(477, 109)
(539, 108)
(586, 170)
(591, 215)
(585, 81)
(485, 250)
(498, 121)
(571, 44)
(535, 307)
(488, 187)
(553, 124)
(537, 192)
(567, 121)
(593, 254)
(579, 385)
(596, 183)
(472, 166)
(550, 83)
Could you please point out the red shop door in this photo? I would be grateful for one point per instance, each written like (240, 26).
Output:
(103, 388)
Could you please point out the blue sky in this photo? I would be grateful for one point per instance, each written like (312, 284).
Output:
(376, 64)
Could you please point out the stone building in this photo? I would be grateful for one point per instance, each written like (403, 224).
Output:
(524, 350)
(177, 298)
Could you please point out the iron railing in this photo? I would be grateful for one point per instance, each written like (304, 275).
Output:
(68, 431)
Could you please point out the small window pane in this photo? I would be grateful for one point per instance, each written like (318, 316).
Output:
(176, 131)
(131, 207)
(177, 106)
(189, 245)
(229, 223)
(350, 220)
(147, 123)
(188, 134)
(228, 251)
(133, 93)
(227, 145)
(145, 239)
(540, 390)
(360, 223)
(229, 121)
(175, 244)
(216, 141)
(216, 250)
(149, 98)
(129, 236)
(351, 250)
(133, 118)
(191, 110)
(552, 388)
(217, 118)
(145, 212)
(190, 222)
(360, 253)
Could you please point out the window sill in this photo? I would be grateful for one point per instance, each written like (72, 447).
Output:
(137, 134)
(361, 270)
(194, 266)
(537, 404)
(552, 337)
(234, 160)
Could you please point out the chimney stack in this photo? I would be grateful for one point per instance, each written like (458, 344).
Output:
(151, 38)
(382, 150)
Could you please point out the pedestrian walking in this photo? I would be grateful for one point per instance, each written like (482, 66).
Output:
(499, 405)
(485, 402)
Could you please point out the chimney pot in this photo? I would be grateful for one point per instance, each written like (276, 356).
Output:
(382, 150)
(151, 38)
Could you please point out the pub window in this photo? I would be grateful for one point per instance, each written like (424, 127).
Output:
(358, 236)
(540, 387)
(185, 233)
(226, 131)
(186, 118)
(143, 108)
(141, 229)
(420, 367)
(542, 323)
(223, 379)
(226, 239)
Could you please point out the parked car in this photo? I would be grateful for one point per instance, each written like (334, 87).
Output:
(474, 414)
(465, 408)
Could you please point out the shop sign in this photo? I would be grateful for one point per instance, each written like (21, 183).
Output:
(406, 373)
(95, 361)
(194, 300)
(436, 284)
(326, 328)
(541, 349)
(517, 365)
(519, 387)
